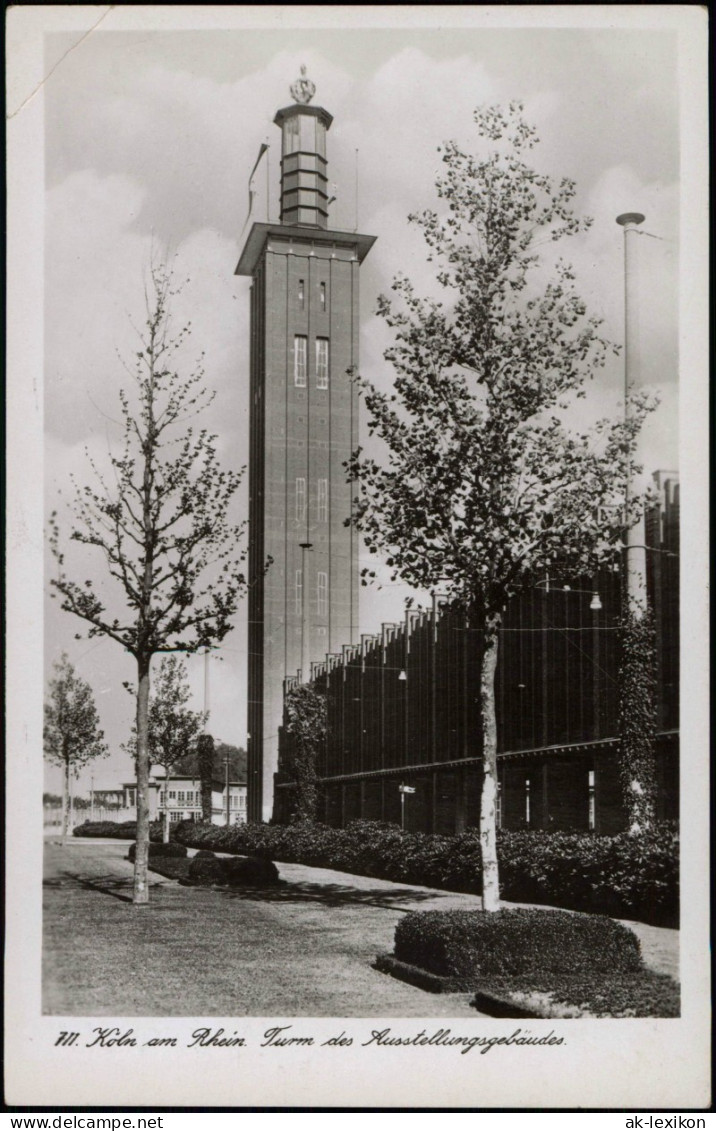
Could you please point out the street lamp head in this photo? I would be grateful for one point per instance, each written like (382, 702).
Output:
(595, 603)
(628, 218)
(402, 676)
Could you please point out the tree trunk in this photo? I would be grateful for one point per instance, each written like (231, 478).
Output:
(206, 772)
(66, 799)
(141, 883)
(165, 813)
(488, 796)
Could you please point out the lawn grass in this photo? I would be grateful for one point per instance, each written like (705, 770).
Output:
(645, 993)
(303, 949)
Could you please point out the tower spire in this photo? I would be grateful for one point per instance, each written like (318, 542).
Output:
(304, 169)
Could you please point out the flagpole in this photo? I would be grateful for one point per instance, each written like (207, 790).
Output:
(268, 181)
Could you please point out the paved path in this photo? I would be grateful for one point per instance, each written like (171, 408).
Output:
(303, 949)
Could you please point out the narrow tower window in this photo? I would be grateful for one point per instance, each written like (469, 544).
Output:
(323, 500)
(322, 593)
(290, 135)
(321, 363)
(299, 591)
(322, 296)
(301, 293)
(300, 499)
(299, 360)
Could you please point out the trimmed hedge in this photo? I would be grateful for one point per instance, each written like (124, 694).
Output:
(550, 963)
(622, 876)
(251, 871)
(516, 941)
(117, 830)
(157, 850)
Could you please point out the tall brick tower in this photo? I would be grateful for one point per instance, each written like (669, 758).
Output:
(304, 425)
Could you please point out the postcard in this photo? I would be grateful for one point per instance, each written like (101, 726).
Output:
(314, 316)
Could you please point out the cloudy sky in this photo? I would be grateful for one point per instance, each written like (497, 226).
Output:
(149, 139)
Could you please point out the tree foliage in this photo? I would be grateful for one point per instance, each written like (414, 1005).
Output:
(72, 735)
(306, 720)
(485, 485)
(159, 527)
(162, 522)
(189, 766)
(173, 727)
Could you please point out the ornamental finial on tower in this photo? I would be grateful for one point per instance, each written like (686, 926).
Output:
(303, 90)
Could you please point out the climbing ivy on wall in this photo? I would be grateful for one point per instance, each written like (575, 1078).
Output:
(306, 725)
(637, 711)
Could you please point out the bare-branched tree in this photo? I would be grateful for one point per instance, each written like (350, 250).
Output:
(159, 529)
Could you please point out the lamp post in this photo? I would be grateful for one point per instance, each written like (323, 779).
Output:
(635, 555)
(206, 691)
(637, 675)
(403, 790)
(228, 803)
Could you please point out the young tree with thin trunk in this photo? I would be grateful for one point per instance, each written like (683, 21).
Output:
(174, 728)
(485, 485)
(161, 528)
(72, 735)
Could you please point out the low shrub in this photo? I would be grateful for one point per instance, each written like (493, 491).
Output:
(516, 941)
(622, 876)
(250, 870)
(254, 871)
(158, 849)
(117, 830)
(206, 871)
(643, 993)
(628, 877)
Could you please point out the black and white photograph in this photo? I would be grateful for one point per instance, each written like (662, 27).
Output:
(357, 557)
